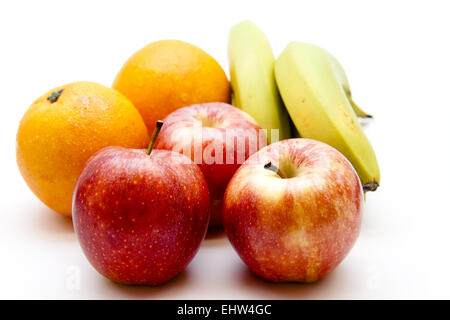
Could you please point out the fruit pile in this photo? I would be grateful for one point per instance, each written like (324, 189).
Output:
(145, 167)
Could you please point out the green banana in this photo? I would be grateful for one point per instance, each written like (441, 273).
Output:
(312, 91)
(343, 80)
(253, 81)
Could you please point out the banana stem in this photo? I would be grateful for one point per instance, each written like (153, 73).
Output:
(159, 124)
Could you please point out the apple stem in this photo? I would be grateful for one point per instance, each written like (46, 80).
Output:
(271, 167)
(159, 124)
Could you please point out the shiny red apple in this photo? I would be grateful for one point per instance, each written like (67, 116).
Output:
(216, 136)
(140, 218)
(293, 210)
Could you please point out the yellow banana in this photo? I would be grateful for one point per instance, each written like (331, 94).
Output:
(343, 80)
(252, 78)
(314, 96)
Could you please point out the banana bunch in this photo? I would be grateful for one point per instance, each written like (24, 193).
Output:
(314, 90)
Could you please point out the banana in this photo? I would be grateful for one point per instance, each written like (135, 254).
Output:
(358, 111)
(343, 80)
(252, 78)
(318, 104)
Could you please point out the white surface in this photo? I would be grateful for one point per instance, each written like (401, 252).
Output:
(396, 55)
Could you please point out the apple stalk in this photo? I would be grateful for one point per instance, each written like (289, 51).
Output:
(159, 124)
(271, 167)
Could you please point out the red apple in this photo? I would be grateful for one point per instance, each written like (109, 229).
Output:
(140, 218)
(216, 136)
(293, 210)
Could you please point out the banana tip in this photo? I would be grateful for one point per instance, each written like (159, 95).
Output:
(371, 186)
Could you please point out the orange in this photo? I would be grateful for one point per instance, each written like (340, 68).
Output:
(170, 74)
(63, 128)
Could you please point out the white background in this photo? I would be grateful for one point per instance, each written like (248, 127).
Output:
(396, 55)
